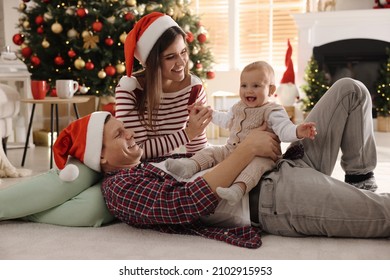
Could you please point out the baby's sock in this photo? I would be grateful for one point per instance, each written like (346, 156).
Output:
(183, 167)
(233, 194)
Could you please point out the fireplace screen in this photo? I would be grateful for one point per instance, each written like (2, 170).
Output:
(360, 59)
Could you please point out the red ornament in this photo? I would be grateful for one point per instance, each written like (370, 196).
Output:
(40, 30)
(190, 37)
(199, 66)
(89, 65)
(109, 41)
(39, 20)
(26, 52)
(53, 92)
(110, 70)
(26, 1)
(58, 60)
(71, 53)
(18, 39)
(35, 61)
(97, 26)
(81, 12)
(210, 75)
(202, 38)
(129, 17)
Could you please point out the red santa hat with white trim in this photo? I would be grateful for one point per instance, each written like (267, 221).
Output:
(287, 92)
(141, 39)
(83, 140)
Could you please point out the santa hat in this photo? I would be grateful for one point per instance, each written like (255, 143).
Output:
(141, 39)
(83, 140)
(289, 75)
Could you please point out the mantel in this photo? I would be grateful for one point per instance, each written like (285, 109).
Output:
(316, 29)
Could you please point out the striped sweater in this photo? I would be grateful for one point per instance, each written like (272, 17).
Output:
(172, 118)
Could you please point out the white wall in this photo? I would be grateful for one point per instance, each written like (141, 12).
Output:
(10, 16)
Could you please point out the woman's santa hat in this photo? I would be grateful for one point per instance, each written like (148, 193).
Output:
(287, 92)
(141, 39)
(83, 140)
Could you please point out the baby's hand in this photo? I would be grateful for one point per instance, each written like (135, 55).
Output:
(197, 107)
(307, 130)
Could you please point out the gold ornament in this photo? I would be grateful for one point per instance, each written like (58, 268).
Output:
(56, 28)
(111, 19)
(22, 7)
(90, 41)
(47, 16)
(131, 3)
(72, 33)
(170, 11)
(86, 33)
(26, 24)
(122, 38)
(177, 13)
(79, 63)
(102, 74)
(70, 11)
(120, 68)
(45, 43)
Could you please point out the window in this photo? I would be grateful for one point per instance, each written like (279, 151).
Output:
(242, 31)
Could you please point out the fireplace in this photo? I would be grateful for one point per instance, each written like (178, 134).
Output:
(360, 59)
(345, 43)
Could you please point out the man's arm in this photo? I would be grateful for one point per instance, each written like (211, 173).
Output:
(257, 143)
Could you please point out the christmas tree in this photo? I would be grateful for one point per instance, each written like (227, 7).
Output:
(316, 85)
(382, 99)
(83, 40)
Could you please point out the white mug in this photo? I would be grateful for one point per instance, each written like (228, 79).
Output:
(66, 88)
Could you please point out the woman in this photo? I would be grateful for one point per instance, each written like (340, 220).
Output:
(155, 101)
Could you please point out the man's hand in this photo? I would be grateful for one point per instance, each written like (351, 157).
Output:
(263, 143)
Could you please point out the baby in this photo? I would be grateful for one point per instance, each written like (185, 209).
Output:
(257, 84)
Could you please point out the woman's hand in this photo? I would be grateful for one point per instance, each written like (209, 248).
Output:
(199, 117)
(263, 143)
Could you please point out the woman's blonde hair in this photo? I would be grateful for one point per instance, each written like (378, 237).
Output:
(151, 77)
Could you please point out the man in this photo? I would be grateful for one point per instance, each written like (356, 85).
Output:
(155, 199)
(298, 198)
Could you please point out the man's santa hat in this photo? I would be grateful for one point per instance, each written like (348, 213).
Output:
(83, 140)
(141, 39)
(287, 91)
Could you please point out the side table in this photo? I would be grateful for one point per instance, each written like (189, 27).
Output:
(53, 101)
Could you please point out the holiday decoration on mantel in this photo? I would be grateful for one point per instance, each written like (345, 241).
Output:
(316, 85)
(380, 4)
(287, 93)
(83, 40)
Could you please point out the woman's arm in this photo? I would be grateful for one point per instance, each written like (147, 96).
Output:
(171, 132)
